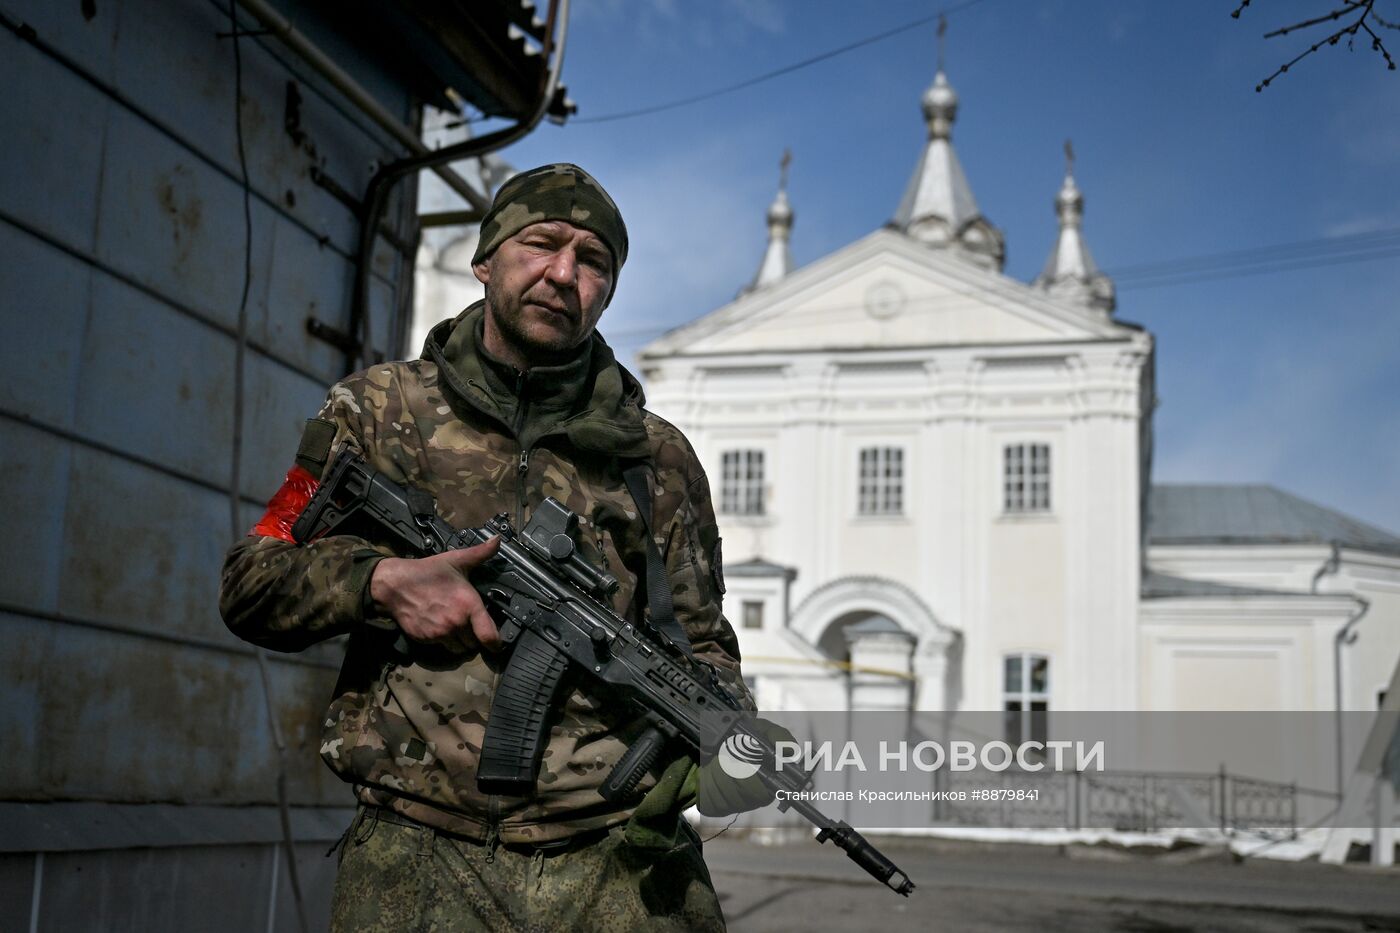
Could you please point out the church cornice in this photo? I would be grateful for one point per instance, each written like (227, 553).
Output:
(1010, 294)
(1011, 348)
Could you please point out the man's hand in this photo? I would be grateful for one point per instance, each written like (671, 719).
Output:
(719, 793)
(431, 600)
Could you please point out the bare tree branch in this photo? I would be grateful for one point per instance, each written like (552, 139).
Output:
(1364, 10)
(1381, 22)
(1335, 14)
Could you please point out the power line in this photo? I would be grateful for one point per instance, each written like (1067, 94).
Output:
(778, 72)
(1260, 268)
(1207, 267)
(1304, 248)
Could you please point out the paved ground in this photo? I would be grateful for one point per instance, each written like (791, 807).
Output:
(971, 887)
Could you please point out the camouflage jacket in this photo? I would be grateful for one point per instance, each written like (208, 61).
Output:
(407, 730)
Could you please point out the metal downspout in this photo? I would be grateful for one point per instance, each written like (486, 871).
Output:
(281, 27)
(377, 195)
(1344, 636)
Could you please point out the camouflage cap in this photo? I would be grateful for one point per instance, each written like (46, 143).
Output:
(561, 191)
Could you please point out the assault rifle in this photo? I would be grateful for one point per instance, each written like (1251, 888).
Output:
(551, 608)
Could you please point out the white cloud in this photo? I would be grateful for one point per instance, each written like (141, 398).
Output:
(762, 14)
(1365, 223)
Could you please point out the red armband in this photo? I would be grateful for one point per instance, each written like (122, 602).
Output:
(286, 505)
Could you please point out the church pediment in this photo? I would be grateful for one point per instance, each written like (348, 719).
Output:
(885, 291)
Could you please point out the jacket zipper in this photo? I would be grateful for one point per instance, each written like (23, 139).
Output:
(524, 464)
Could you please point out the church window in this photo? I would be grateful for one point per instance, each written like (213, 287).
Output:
(1026, 697)
(753, 614)
(881, 481)
(741, 486)
(1026, 478)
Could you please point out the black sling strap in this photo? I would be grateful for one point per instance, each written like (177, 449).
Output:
(663, 610)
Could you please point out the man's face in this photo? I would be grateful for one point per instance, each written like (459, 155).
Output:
(545, 290)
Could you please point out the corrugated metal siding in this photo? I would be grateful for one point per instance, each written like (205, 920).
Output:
(121, 259)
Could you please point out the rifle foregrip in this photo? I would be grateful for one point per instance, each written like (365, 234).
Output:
(518, 723)
(636, 761)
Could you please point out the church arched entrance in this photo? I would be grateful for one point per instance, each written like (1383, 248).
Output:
(881, 625)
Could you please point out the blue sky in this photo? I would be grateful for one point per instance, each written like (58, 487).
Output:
(1289, 378)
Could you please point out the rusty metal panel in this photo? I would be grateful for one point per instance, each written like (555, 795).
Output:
(76, 825)
(188, 84)
(158, 889)
(172, 65)
(101, 547)
(316, 872)
(174, 224)
(306, 280)
(91, 40)
(141, 547)
(156, 383)
(205, 888)
(130, 719)
(34, 465)
(16, 886)
(277, 406)
(52, 154)
(46, 303)
(29, 644)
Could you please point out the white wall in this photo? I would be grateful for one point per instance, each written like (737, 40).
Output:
(1308, 626)
(1063, 584)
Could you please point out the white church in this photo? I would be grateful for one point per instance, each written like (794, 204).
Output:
(934, 484)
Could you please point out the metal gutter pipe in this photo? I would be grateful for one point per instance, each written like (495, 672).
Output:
(281, 27)
(377, 195)
(1344, 636)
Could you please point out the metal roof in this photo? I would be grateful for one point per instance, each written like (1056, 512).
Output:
(1164, 586)
(758, 567)
(487, 51)
(1210, 513)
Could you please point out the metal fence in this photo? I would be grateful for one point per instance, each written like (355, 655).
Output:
(1124, 800)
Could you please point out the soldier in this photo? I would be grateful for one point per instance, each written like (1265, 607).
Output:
(514, 400)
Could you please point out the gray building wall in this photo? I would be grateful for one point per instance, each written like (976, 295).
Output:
(140, 781)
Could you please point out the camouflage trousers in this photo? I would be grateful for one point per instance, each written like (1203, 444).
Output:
(398, 877)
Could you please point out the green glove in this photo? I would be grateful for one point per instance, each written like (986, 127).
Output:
(656, 823)
(719, 792)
